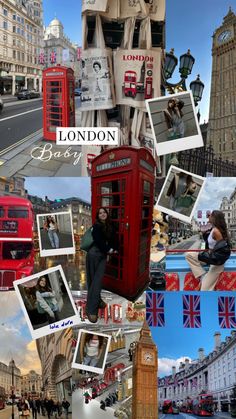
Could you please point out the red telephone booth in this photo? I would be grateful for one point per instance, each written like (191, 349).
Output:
(123, 182)
(58, 100)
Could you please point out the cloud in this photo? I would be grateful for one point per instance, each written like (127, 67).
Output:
(16, 341)
(165, 365)
(214, 190)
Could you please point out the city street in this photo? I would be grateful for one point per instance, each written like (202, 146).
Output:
(19, 119)
(7, 414)
(23, 150)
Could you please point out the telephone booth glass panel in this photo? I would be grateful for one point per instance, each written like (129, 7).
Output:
(54, 104)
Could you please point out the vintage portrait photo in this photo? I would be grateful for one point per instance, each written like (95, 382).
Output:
(174, 123)
(47, 302)
(91, 351)
(180, 193)
(55, 232)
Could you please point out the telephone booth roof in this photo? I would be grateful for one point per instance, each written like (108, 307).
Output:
(57, 71)
(122, 157)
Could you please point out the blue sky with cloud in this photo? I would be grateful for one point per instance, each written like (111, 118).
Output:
(174, 342)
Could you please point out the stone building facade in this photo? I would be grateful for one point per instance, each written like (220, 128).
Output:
(10, 376)
(58, 49)
(31, 383)
(214, 373)
(56, 357)
(21, 37)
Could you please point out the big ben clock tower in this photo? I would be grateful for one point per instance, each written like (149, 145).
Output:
(144, 399)
(222, 117)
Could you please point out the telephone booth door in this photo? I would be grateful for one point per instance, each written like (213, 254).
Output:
(58, 100)
(123, 182)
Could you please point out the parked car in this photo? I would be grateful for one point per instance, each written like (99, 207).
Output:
(1, 104)
(28, 94)
(77, 91)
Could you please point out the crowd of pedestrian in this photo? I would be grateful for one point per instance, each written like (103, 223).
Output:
(32, 407)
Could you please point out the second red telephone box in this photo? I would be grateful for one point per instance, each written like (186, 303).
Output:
(123, 182)
(58, 100)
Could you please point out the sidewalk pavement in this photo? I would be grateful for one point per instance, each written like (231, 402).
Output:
(33, 156)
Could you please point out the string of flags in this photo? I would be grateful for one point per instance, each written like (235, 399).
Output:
(191, 310)
(174, 381)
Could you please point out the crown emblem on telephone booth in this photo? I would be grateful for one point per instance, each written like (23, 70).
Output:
(111, 156)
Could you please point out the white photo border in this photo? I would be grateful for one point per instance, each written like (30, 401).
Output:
(179, 216)
(181, 144)
(60, 251)
(88, 367)
(54, 327)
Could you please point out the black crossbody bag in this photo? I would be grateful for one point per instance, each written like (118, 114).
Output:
(218, 255)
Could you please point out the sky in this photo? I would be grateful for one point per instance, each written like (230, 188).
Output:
(189, 25)
(56, 187)
(214, 190)
(174, 342)
(18, 344)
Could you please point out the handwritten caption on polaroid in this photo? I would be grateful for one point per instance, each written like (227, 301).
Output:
(87, 136)
(63, 324)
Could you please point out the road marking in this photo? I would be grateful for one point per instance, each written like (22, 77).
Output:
(23, 140)
(20, 114)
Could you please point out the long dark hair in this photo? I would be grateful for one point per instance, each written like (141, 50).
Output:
(220, 223)
(89, 336)
(43, 289)
(107, 225)
(50, 221)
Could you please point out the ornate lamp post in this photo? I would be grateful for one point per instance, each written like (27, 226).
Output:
(185, 68)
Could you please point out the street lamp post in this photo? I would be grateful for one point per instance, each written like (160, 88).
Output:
(185, 68)
(12, 389)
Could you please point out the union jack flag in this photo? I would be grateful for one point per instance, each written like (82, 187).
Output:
(185, 382)
(194, 382)
(191, 311)
(53, 56)
(155, 315)
(41, 58)
(226, 311)
(176, 380)
(167, 381)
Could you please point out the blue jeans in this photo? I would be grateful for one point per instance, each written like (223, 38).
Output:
(90, 360)
(54, 239)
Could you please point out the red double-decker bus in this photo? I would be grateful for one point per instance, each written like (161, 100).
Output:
(203, 405)
(16, 240)
(167, 407)
(130, 83)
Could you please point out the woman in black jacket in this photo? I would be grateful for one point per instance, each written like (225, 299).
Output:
(104, 244)
(218, 232)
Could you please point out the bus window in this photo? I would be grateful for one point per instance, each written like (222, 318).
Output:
(16, 251)
(1, 212)
(18, 212)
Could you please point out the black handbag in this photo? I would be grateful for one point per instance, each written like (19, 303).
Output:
(218, 255)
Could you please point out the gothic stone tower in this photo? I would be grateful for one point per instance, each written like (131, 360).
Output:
(144, 400)
(222, 117)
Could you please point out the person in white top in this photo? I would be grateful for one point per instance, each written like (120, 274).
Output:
(91, 349)
(219, 232)
(52, 228)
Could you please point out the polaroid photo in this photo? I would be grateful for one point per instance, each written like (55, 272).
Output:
(47, 302)
(180, 194)
(55, 232)
(174, 123)
(91, 351)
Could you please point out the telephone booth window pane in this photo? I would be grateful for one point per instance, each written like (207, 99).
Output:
(145, 212)
(144, 224)
(147, 186)
(146, 200)
(110, 187)
(54, 102)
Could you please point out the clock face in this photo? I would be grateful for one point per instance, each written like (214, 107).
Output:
(148, 357)
(224, 36)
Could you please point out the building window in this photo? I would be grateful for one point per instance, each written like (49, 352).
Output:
(4, 24)
(5, 12)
